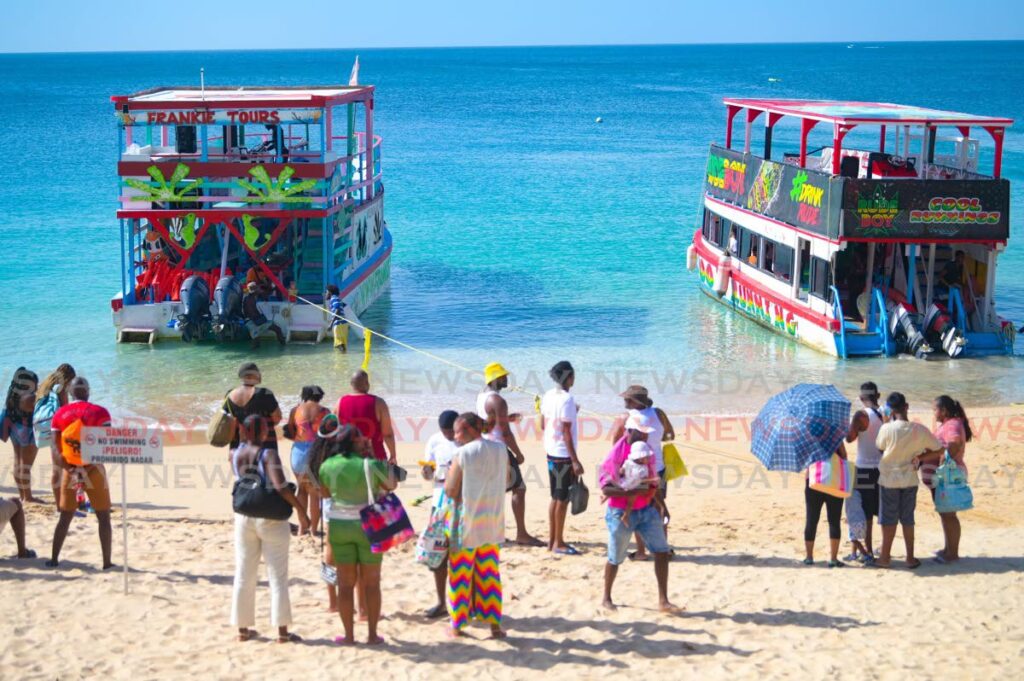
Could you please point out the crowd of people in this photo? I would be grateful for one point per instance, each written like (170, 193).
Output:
(894, 456)
(345, 460)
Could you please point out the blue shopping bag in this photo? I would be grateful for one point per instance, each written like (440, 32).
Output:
(952, 493)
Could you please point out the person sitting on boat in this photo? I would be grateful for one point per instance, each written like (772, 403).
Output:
(752, 258)
(255, 321)
(953, 274)
(256, 275)
(734, 243)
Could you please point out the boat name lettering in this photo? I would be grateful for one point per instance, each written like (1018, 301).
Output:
(950, 209)
(760, 307)
(727, 174)
(877, 211)
(208, 117)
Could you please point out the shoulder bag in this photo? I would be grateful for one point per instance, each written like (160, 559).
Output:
(222, 426)
(253, 497)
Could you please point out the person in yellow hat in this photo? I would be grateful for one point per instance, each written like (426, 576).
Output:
(492, 407)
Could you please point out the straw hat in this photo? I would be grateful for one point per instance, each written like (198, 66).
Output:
(637, 393)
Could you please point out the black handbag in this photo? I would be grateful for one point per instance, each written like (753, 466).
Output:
(579, 497)
(253, 497)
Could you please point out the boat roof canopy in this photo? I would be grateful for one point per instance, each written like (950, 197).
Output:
(854, 113)
(213, 98)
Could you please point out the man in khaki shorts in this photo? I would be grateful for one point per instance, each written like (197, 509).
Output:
(67, 427)
(11, 512)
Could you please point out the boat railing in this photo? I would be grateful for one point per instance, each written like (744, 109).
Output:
(837, 312)
(161, 185)
(880, 313)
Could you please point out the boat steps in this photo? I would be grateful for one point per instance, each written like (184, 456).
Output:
(305, 333)
(136, 335)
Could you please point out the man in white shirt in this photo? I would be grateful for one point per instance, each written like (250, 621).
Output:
(438, 455)
(559, 418)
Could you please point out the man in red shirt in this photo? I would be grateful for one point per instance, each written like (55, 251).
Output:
(370, 415)
(67, 426)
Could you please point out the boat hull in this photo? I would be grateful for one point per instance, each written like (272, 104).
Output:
(359, 290)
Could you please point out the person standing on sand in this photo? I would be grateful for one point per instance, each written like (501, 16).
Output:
(640, 406)
(303, 422)
(903, 444)
(67, 427)
(437, 460)
(370, 414)
(864, 427)
(643, 518)
(255, 537)
(52, 395)
(16, 425)
(249, 399)
(12, 513)
(559, 418)
(476, 485)
(344, 474)
(813, 501)
(953, 430)
(493, 408)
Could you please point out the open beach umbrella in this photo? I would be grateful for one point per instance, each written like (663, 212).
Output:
(799, 427)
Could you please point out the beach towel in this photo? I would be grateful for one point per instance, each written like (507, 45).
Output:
(855, 517)
(608, 473)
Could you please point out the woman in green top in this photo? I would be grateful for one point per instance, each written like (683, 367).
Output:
(344, 473)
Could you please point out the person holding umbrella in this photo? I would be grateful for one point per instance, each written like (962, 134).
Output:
(797, 428)
(813, 501)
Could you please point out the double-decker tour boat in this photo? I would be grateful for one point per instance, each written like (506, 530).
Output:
(221, 187)
(859, 252)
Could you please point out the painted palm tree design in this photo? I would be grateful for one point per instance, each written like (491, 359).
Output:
(267, 190)
(252, 234)
(361, 239)
(166, 189)
(378, 227)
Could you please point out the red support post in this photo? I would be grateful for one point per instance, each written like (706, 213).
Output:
(752, 115)
(881, 140)
(997, 137)
(730, 114)
(806, 125)
(838, 133)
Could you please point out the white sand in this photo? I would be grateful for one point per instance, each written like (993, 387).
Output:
(751, 608)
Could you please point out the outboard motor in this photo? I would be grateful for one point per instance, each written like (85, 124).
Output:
(227, 309)
(195, 299)
(940, 330)
(905, 326)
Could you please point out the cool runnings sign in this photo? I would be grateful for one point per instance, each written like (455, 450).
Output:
(939, 210)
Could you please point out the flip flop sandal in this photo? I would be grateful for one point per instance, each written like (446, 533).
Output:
(342, 641)
(29, 553)
(567, 551)
(836, 564)
(913, 566)
(640, 559)
(290, 638)
(808, 561)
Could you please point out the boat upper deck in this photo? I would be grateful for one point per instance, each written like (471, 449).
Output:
(910, 183)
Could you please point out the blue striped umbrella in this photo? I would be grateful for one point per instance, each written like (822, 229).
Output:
(800, 426)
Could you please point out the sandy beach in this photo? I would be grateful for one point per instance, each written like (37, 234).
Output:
(751, 608)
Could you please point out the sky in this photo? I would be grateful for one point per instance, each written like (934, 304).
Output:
(108, 25)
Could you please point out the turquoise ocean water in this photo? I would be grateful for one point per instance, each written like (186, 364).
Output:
(524, 231)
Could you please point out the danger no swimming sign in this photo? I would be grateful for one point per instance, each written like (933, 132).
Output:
(120, 444)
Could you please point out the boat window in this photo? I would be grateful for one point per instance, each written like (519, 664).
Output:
(713, 228)
(782, 262)
(749, 247)
(805, 269)
(820, 276)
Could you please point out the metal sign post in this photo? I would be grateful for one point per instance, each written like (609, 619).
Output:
(124, 445)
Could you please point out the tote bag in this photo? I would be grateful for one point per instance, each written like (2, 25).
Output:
(952, 493)
(221, 428)
(674, 466)
(832, 476)
(432, 546)
(384, 521)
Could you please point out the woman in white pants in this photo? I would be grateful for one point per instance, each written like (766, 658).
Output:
(255, 537)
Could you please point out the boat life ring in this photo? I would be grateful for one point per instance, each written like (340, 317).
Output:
(691, 257)
(722, 272)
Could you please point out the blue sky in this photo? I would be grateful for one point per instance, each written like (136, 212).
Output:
(106, 25)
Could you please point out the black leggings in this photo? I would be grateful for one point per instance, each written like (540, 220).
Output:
(813, 499)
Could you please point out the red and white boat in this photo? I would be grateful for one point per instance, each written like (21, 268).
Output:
(859, 251)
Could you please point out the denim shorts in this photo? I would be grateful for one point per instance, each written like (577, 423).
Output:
(645, 521)
(896, 504)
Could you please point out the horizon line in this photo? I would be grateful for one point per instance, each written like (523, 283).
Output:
(519, 46)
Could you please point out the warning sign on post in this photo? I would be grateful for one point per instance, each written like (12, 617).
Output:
(122, 444)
